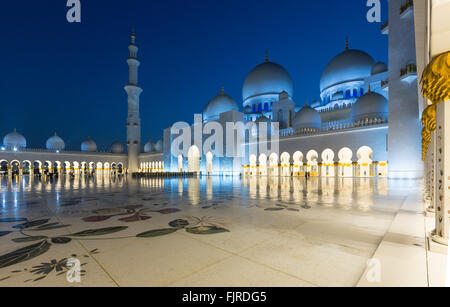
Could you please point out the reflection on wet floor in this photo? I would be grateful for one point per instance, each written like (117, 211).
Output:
(227, 231)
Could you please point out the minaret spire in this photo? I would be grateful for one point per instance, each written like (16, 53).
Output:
(133, 121)
(133, 36)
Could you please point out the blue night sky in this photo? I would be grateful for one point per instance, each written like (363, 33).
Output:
(69, 78)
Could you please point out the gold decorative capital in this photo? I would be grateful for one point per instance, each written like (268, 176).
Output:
(436, 79)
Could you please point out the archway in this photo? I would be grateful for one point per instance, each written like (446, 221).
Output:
(273, 163)
(285, 164)
(180, 163)
(16, 168)
(194, 160)
(4, 167)
(37, 167)
(99, 168)
(328, 163)
(345, 162)
(209, 163)
(263, 165)
(298, 164)
(312, 167)
(364, 155)
(76, 168)
(27, 167)
(253, 167)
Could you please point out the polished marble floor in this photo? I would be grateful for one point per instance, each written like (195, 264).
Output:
(194, 232)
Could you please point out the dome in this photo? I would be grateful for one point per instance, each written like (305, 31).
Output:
(89, 145)
(378, 68)
(116, 148)
(159, 145)
(267, 78)
(220, 104)
(55, 143)
(15, 140)
(369, 106)
(263, 119)
(350, 65)
(307, 117)
(149, 147)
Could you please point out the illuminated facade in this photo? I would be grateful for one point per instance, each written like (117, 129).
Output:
(353, 129)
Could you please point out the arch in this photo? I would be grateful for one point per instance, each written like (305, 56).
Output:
(285, 164)
(4, 167)
(273, 163)
(253, 168)
(328, 163)
(180, 163)
(209, 163)
(263, 165)
(345, 162)
(120, 169)
(27, 167)
(194, 159)
(312, 167)
(298, 164)
(99, 168)
(16, 167)
(364, 155)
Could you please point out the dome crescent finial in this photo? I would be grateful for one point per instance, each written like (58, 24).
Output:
(346, 43)
(133, 36)
(267, 55)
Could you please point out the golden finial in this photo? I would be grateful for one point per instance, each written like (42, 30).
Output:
(369, 89)
(346, 43)
(223, 89)
(306, 103)
(15, 130)
(267, 55)
(133, 35)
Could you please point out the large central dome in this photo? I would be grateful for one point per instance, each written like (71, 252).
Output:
(350, 65)
(267, 78)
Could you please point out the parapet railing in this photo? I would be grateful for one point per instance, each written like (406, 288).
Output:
(338, 127)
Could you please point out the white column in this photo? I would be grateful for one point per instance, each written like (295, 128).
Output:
(442, 184)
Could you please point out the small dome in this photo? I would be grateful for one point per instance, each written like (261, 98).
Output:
(159, 145)
(350, 65)
(15, 140)
(307, 117)
(263, 119)
(369, 106)
(149, 147)
(378, 68)
(89, 145)
(116, 148)
(220, 104)
(55, 143)
(267, 78)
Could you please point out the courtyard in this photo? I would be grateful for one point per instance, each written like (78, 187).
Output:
(211, 231)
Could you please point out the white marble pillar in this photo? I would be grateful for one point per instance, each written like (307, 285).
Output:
(442, 173)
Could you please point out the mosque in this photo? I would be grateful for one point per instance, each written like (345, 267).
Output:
(356, 128)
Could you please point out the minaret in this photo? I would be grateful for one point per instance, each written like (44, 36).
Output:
(133, 121)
